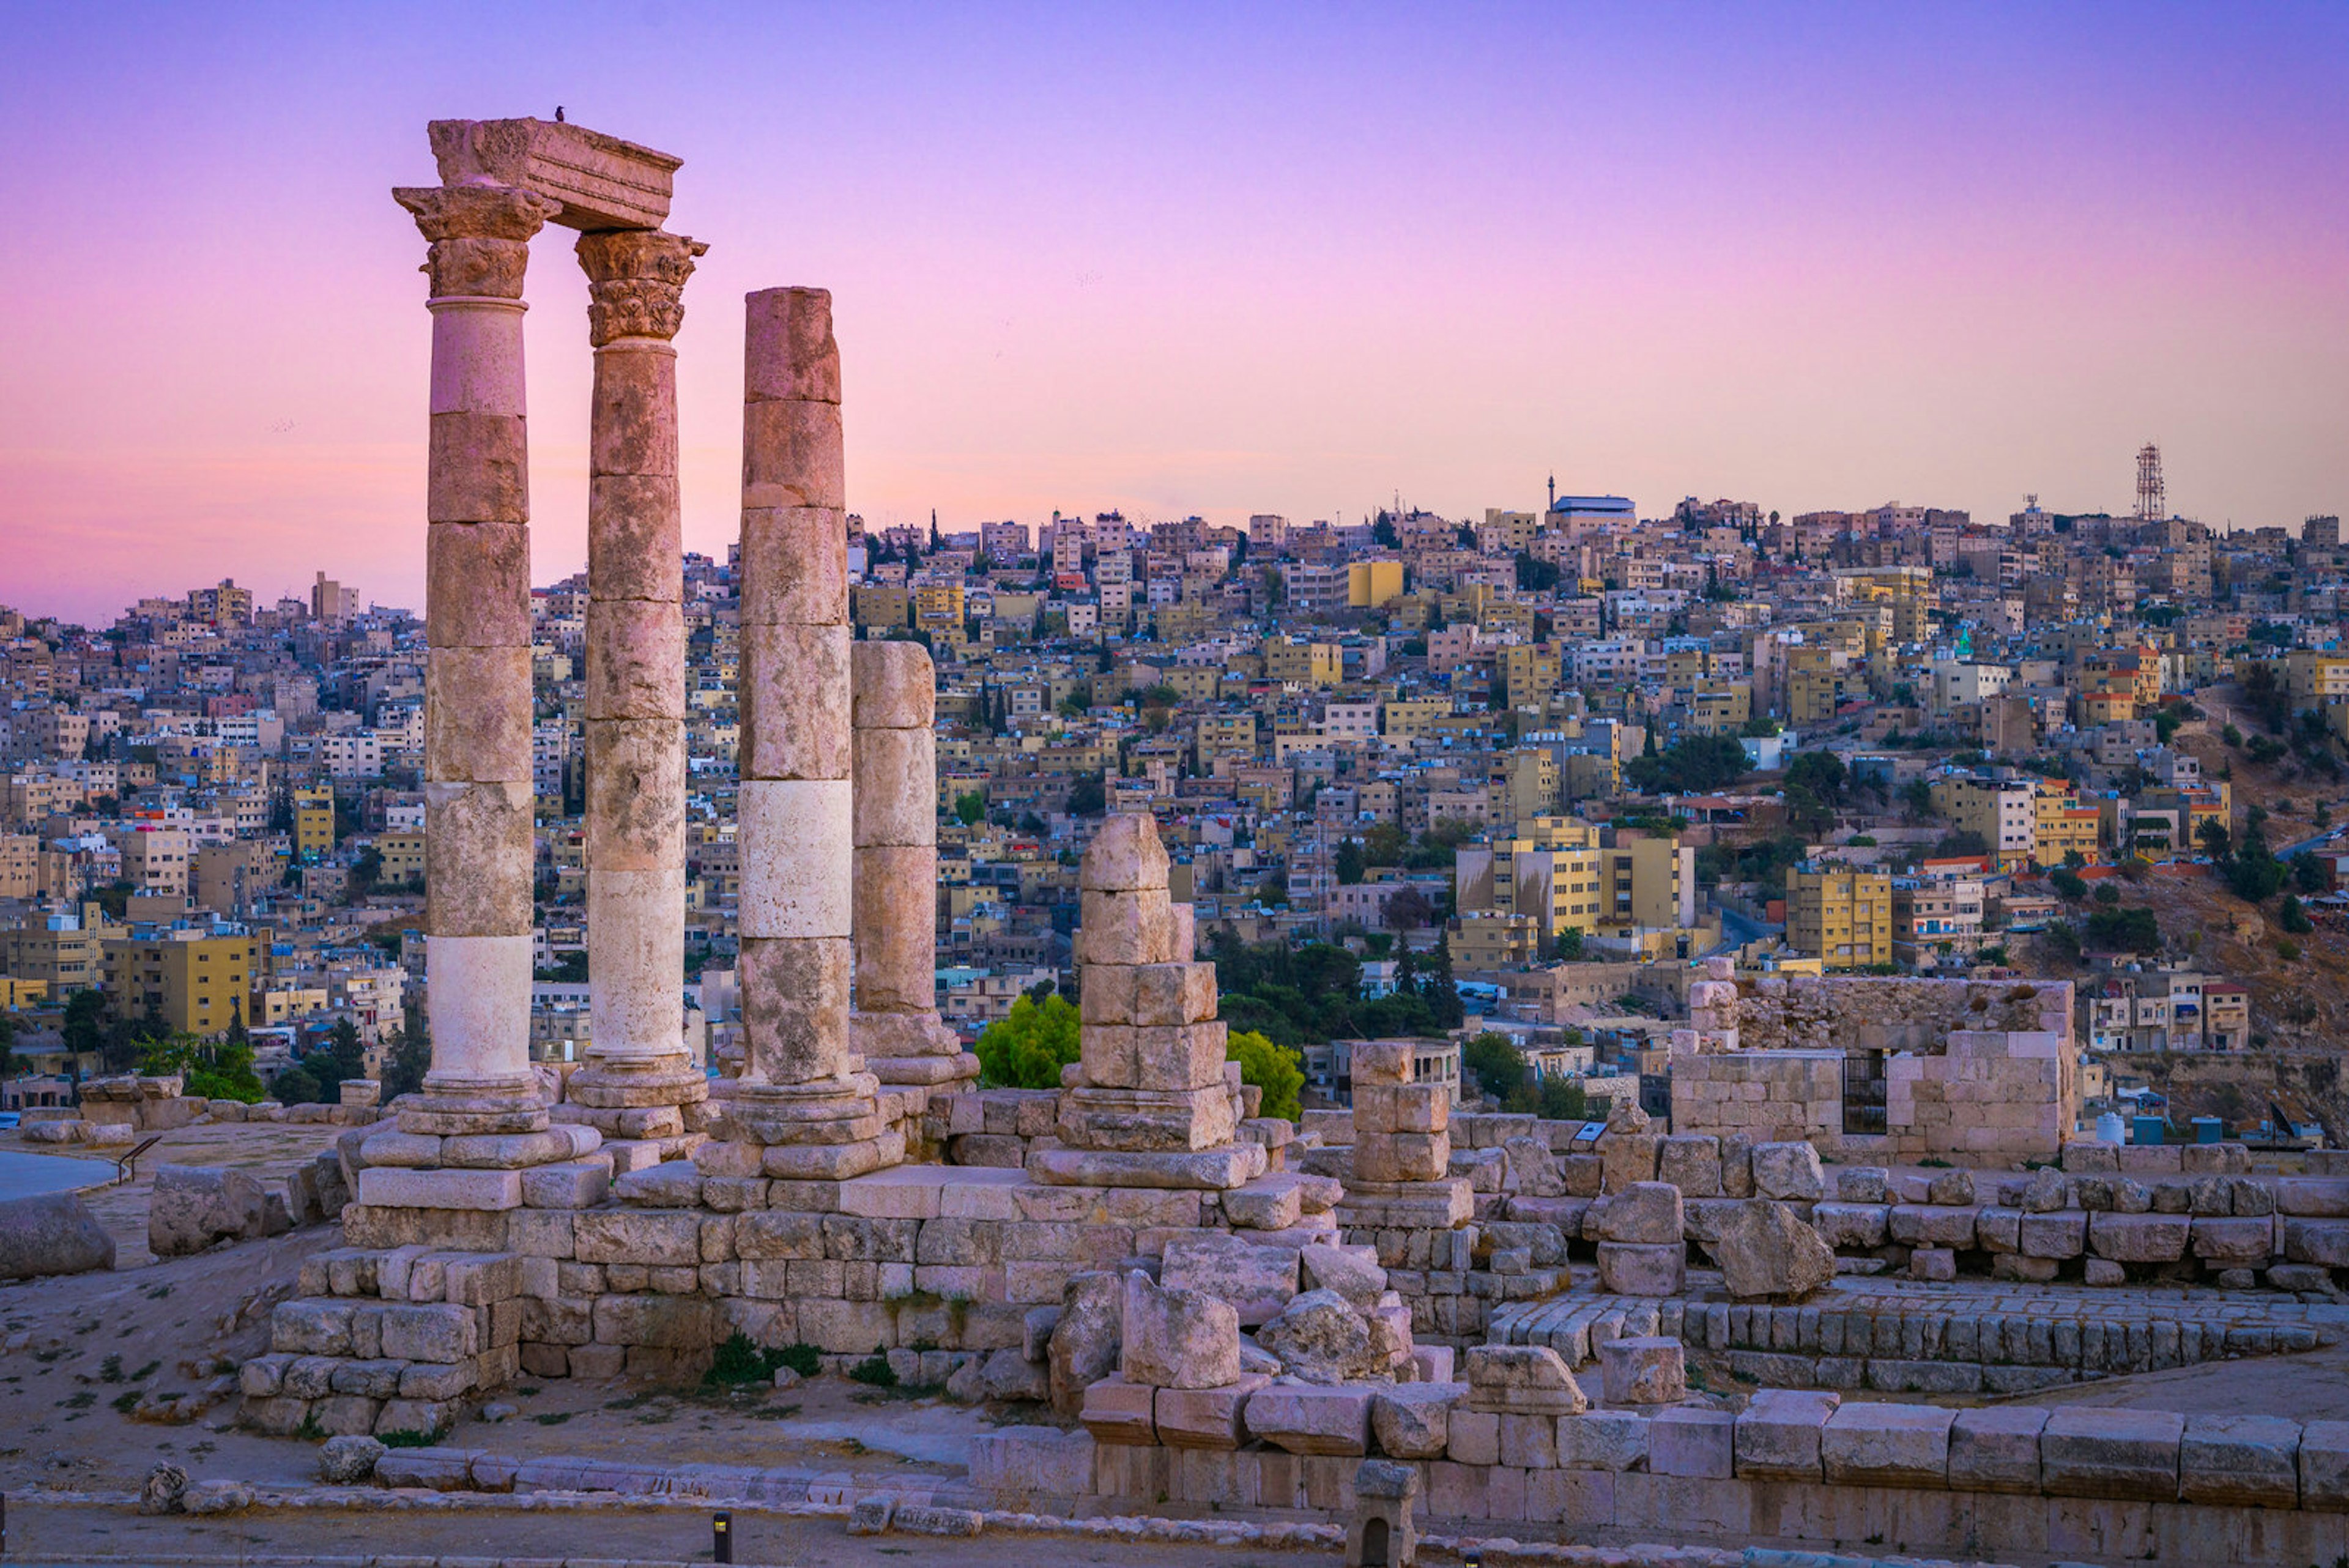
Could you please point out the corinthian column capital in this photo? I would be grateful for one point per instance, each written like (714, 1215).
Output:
(480, 235)
(636, 282)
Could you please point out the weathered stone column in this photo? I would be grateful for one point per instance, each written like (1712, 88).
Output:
(803, 1093)
(896, 1026)
(638, 1073)
(477, 686)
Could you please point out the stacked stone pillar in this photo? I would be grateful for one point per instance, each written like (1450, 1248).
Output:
(1402, 1148)
(803, 1103)
(638, 1079)
(896, 1026)
(1153, 1102)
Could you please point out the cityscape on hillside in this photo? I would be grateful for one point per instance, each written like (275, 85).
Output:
(1510, 773)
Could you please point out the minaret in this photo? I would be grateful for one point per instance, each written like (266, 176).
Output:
(1553, 495)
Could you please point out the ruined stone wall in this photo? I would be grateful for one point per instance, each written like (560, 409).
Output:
(1890, 1013)
(1769, 1096)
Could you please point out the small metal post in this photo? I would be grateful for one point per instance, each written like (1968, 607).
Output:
(721, 1531)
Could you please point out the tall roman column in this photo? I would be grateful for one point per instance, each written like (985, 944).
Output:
(637, 1072)
(896, 1026)
(802, 1093)
(477, 687)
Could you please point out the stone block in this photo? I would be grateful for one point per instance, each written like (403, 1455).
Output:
(1646, 1212)
(1602, 1441)
(1996, 1450)
(1630, 1269)
(2060, 1234)
(2138, 1237)
(1647, 1369)
(647, 1238)
(1206, 1417)
(2240, 1461)
(1475, 1438)
(2085, 1452)
(1693, 1443)
(1304, 1419)
(1886, 1445)
(1119, 1412)
(1412, 1420)
(1777, 1433)
(1258, 1281)
(1019, 1462)
(1521, 1378)
(2325, 1465)
(1176, 1338)
(391, 1186)
(1789, 1172)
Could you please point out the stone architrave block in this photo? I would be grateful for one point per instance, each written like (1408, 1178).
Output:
(2085, 1452)
(2138, 1237)
(1886, 1445)
(1778, 1435)
(1790, 1172)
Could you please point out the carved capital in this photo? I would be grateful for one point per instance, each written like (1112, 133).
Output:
(636, 282)
(480, 234)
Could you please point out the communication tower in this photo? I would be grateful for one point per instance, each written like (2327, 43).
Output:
(2152, 502)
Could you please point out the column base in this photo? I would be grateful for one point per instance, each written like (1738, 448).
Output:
(624, 1083)
(842, 1110)
(460, 1110)
(910, 1048)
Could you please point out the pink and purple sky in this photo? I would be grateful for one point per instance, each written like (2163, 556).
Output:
(1186, 259)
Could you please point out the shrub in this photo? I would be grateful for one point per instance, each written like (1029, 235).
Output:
(1028, 1049)
(1275, 1069)
(744, 1360)
(876, 1370)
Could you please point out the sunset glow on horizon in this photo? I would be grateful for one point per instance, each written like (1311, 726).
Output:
(1204, 262)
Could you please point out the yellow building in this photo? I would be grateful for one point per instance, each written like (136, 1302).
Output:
(403, 857)
(1369, 583)
(2064, 826)
(1719, 707)
(2316, 679)
(1907, 590)
(1840, 916)
(1303, 663)
(2003, 812)
(1529, 673)
(1553, 871)
(196, 983)
(886, 607)
(938, 605)
(314, 823)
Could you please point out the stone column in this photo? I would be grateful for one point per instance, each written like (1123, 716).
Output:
(896, 1026)
(479, 846)
(802, 1093)
(638, 1073)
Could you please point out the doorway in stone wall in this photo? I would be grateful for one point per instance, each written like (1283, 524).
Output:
(1863, 1094)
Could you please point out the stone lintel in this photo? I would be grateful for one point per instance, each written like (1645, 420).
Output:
(602, 181)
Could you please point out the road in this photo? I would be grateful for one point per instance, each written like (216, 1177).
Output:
(1736, 931)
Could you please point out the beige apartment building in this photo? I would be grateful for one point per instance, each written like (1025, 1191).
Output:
(1840, 916)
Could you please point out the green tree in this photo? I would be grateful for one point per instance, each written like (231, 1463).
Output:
(1349, 862)
(2068, 882)
(408, 1057)
(1275, 1069)
(970, 808)
(85, 1023)
(1088, 796)
(2308, 873)
(1442, 996)
(2292, 917)
(296, 1087)
(1495, 1064)
(1027, 1048)
(1699, 764)
(222, 1071)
